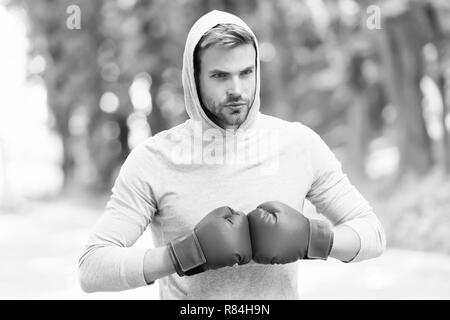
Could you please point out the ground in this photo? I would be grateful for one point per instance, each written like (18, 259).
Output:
(42, 241)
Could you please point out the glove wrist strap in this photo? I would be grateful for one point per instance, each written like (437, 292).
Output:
(320, 240)
(187, 255)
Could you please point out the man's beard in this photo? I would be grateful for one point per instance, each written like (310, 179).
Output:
(230, 118)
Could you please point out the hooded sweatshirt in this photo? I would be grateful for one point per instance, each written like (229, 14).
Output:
(172, 180)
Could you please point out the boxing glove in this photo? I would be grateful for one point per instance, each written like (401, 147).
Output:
(220, 239)
(281, 234)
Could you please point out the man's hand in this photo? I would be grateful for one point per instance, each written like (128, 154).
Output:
(281, 234)
(219, 240)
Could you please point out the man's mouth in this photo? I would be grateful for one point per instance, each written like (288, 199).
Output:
(235, 105)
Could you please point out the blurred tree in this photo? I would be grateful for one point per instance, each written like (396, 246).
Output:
(89, 73)
(72, 74)
(117, 79)
(435, 13)
(401, 47)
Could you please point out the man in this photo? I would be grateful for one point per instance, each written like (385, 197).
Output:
(223, 192)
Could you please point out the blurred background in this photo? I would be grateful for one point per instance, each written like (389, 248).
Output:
(83, 82)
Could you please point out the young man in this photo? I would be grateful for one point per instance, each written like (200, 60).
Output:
(223, 192)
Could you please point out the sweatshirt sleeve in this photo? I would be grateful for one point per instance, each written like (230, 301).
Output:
(109, 262)
(338, 200)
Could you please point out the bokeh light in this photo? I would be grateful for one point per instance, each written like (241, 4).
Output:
(140, 93)
(139, 128)
(109, 102)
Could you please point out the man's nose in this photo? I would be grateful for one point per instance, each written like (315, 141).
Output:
(235, 87)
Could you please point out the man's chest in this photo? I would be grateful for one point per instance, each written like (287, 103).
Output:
(188, 196)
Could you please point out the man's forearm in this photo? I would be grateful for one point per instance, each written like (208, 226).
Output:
(346, 243)
(157, 264)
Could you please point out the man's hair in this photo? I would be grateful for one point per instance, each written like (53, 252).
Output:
(225, 35)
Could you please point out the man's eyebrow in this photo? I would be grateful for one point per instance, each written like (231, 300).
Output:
(223, 71)
(249, 68)
(217, 71)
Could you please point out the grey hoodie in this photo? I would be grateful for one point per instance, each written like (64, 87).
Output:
(173, 179)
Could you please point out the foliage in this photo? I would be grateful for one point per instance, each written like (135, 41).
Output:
(321, 66)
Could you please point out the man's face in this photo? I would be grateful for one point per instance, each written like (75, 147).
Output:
(227, 83)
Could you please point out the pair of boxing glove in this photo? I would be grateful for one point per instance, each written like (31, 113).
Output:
(273, 233)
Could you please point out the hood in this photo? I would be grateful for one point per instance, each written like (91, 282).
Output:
(191, 99)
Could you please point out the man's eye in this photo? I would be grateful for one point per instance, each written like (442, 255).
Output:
(247, 72)
(219, 75)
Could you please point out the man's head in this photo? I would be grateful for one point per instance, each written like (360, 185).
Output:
(225, 74)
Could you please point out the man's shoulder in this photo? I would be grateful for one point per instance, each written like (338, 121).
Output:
(158, 142)
(164, 136)
(285, 126)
